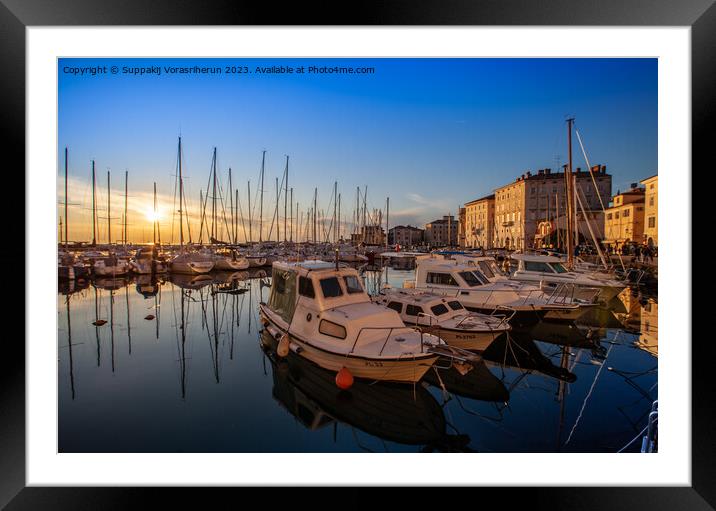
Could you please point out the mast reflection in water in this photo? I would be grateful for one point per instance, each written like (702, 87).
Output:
(196, 375)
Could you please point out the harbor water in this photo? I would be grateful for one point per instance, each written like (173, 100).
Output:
(179, 364)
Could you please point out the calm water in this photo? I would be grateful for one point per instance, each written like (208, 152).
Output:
(179, 366)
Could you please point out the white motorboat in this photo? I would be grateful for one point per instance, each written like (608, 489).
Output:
(561, 293)
(110, 266)
(445, 317)
(549, 272)
(191, 263)
(256, 261)
(322, 312)
(230, 261)
(146, 261)
(476, 293)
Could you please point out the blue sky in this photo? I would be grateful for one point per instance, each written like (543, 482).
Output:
(429, 133)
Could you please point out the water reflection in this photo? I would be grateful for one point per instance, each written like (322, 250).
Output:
(396, 413)
(197, 375)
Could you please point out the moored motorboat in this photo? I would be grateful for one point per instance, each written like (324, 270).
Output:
(323, 313)
(191, 263)
(444, 317)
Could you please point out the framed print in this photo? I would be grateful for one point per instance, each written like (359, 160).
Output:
(315, 253)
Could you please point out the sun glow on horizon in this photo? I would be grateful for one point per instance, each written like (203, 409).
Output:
(153, 216)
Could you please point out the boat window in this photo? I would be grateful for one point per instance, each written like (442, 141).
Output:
(485, 267)
(559, 268)
(472, 279)
(455, 305)
(330, 287)
(538, 266)
(279, 282)
(413, 310)
(444, 279)
(332, 329)
(396, 306)
(439, 309)
(305, 287)
(352, 284)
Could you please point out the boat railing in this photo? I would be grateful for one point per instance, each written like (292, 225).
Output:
(390, 331)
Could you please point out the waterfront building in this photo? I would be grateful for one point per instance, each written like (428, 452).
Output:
(405, 235)
(443, 232)
(369, 235)
(624, 221)
(461, 227)
(533, 206)
(651, 210)
(480, 222)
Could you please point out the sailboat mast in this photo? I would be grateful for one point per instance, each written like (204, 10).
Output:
(213, 198)
(261, 206)
(109, 216)
(278, 225)
(387, 212)
(232, 236)
(291, 237)
(570, 205)
(250, 230)
(339, 216)
(66, 223)
(335, 211)
(315, 209)
(154, 227)
(94, 209)
(181, 195)
(285, 203)
(126, 178)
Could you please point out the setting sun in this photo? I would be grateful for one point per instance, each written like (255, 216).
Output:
(152, 215)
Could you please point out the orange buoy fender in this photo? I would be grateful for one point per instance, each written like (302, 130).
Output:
(344, 379)
(283, 346)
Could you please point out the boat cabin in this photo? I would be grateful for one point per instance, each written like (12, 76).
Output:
(421, 308)
(448, 274)
(541, 264)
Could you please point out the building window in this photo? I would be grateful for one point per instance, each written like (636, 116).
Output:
(651, 200)
(652, 222)
(625, 213)
(609, 216)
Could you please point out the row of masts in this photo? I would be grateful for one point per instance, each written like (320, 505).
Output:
(312, 228)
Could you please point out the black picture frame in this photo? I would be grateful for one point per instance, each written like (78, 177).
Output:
(700, 15)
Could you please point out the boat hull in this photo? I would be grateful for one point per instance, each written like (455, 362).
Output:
(227, 264)
(467, 340)
(401, 370)
(257, 262)
(192, 267)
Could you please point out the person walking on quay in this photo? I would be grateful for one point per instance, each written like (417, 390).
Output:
(637, 253)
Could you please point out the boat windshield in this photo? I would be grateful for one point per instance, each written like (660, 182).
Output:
(455, 305)
(331, 288)
(485, 267)
(473, 278)
(559, 268)
(439, 309)
(352, 284)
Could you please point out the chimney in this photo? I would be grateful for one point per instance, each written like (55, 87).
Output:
(632, 186)
(529, 173)
(547, 171)
(604, 169)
